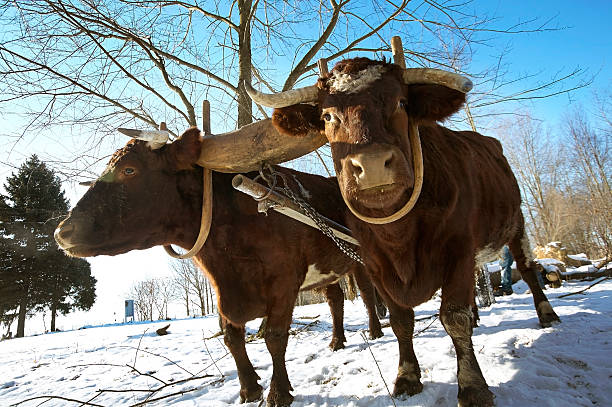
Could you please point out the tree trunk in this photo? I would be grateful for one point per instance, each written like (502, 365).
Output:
(53, 313)
(245, 106)
(21, 318)
(187, 301)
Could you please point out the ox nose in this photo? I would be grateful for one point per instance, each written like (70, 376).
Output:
(371, 169)
(63, 232)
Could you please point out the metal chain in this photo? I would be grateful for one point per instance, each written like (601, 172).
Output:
(310, 212)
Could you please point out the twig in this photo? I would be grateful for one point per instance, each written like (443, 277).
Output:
(139, 341)
(211, 357)
(584, 289)
(365, 339)
(428, 317)
(306, 326)
(57, 398)
(427, 327)
(154, 354)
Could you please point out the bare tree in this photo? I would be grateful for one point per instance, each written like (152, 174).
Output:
(539, 165)
(144, 293)
(104, 65)
(181, 282)
(592, 167)
(196, 290)
(165, 293)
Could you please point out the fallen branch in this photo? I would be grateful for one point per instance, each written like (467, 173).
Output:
(83, 403)
(584, 289)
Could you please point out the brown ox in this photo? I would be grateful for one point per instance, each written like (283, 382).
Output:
(257, 264)
(469, 205)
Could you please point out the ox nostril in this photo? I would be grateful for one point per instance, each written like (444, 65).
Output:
(356, 167)
(389, 160)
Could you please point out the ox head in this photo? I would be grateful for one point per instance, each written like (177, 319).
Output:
(370, 111)
(133, 204)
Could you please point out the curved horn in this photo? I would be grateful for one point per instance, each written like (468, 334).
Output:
(155, 138)
(438, 77)
(247, 148)
(283, 99)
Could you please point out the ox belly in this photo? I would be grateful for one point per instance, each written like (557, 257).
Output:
(316, 277)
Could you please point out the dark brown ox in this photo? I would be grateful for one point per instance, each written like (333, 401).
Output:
(257, 264)
(469, 203)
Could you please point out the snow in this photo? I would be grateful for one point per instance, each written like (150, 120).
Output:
(566, 365)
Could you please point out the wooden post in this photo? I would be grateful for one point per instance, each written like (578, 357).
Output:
(206, 118)
(322, 64)
(398, 51)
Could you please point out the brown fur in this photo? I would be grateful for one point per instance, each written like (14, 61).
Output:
(470, 200)
(256, 263)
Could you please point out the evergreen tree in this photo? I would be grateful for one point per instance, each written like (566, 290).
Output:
(32, 264)
(69, 285)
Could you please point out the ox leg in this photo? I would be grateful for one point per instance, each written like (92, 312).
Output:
(368, 296)
(277, 335)
(250, 390)
(408, 379)
(528, 270)
(476, 316)
(457, 318)
(335, 299)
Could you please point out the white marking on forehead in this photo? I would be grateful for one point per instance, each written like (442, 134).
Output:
(353, 83)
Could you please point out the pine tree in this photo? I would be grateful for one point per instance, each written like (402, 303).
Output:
(69, 285)
(32, 264)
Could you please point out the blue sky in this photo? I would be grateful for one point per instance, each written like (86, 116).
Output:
(585, 42)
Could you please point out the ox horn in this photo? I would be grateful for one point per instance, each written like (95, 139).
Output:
(438, 77)
(283, 99)
(433, 76)
(155, 138)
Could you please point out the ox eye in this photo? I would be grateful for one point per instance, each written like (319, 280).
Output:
(129, 171)
(327, 117)
(401, 104)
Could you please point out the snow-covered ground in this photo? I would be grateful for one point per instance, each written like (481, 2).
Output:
(567, 365)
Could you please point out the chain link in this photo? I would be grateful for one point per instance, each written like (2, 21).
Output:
(309, 211)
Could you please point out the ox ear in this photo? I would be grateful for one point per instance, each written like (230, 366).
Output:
(185, 151)
(298, 120)
(432, 102)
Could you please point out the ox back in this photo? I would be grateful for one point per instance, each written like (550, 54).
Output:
(256, 263)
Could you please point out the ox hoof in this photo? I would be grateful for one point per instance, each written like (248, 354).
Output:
(251, 394)
(336, 344)
(406, 387)
(376, 333)
(547, 315)
(475, 397)
(279, 399)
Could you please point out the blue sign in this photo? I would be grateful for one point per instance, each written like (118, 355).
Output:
(129, 308)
